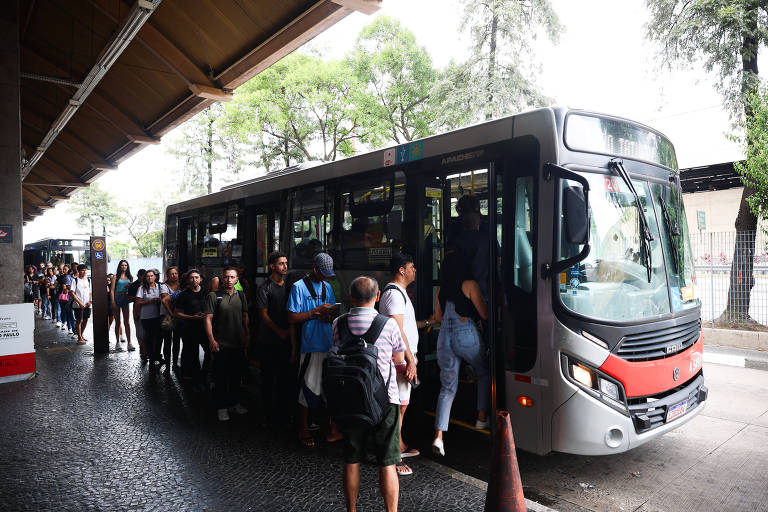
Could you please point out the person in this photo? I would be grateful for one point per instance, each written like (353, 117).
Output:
(29, 285)
(53, 296)
(278, 347)
(150, 296)
(226, 326)
(110, 308)
(363, 294)
(172, 336)
(70, 276)
(65, 312)
(191, 325)
(39, 288)
(458, 305)
(396, 304)
(133, 289)
(312, 309)
(82, 296)
(45, 292)
(471, 242)
(119, 297)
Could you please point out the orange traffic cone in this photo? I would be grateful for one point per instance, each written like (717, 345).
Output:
(505, 490)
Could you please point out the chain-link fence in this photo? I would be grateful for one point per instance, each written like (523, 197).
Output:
(713, 255)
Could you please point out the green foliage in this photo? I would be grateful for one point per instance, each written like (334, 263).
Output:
(144, 224)
(400, 78)
(723, 34)
(96, 210)
(206, 149)
(497, 79)
(754, 170)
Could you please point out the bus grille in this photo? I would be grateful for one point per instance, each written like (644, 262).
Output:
(650, 412)
(646, 346)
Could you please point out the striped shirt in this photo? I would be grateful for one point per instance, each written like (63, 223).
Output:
(390, 342)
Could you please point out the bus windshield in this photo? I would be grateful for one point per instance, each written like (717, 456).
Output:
(612, 283)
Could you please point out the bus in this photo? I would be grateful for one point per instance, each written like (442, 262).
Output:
(594, 329)
(58, 250)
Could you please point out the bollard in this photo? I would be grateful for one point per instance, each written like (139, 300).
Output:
(505, 489)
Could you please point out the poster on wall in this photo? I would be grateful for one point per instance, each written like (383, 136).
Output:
(17, 345)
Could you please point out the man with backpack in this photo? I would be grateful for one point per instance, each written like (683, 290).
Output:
(226, 325)
(361, 387)
(311, 303)
(82, 297)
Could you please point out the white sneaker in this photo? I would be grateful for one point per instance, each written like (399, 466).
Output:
(118, 348)
(58, 324)
(239, 409)
(437, 447)
(131, 348)
(223, 415)
(69, 331)
(46, 317)
(63, 327)
(122, 339)
(481, 425)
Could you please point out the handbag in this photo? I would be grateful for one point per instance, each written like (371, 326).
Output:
(168, 323)
(64, 296)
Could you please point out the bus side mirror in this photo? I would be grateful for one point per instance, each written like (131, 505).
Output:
(575, 215)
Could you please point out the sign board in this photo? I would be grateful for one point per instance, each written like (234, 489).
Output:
(6, 234)
(701, 218)
(17, 345)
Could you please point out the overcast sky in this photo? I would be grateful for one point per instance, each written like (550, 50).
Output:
(601, 63)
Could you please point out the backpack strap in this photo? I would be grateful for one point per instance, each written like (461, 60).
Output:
(374, 331)
(392, 286)
(311, 288)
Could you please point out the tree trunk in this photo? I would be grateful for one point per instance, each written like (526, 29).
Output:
(209, 156)
(742, 277)
(491, 66)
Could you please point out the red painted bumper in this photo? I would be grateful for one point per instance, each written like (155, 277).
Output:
(651, 377)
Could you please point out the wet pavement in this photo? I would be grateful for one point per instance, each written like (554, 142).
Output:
(106, 433)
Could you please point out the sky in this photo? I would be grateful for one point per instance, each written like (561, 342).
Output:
(602, 63)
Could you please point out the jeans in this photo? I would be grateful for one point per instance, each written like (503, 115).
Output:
(46, 304)
(459, 341)
(66, 314)
(55, 309)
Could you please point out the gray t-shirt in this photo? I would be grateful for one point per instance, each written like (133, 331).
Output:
(155, 309)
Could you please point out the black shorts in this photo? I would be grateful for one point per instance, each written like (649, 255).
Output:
(82, 314)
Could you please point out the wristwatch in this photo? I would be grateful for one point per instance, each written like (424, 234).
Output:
(426, 324)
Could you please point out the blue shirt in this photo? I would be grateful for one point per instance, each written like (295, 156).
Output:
(316, 336)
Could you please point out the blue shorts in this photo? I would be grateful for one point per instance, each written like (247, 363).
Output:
(121, 299)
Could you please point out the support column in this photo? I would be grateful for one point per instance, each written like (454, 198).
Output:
(98, 246)
(11, 245)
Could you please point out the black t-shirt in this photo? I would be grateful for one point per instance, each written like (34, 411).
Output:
(273, 298)
(133, 288)
(189, 303)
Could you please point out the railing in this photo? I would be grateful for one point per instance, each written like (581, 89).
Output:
(713, 255)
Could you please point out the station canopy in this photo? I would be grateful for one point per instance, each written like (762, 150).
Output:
(101, 79)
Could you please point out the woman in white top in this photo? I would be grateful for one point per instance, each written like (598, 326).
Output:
(150, 296)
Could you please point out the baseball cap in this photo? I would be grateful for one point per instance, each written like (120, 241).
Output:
(324, 264)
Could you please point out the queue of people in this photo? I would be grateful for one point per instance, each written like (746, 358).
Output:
(301, 334)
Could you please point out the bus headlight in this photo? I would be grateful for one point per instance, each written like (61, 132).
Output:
(596, 383)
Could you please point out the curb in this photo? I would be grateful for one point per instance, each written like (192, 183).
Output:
(736, 357)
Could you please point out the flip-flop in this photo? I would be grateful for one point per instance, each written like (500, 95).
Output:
(308, 442)
(410, 452)
(403, 469)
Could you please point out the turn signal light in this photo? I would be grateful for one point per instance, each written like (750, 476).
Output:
(525, 401)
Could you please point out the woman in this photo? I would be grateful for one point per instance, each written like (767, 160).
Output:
(150, 296)
(67, 318)
(110, 308)
(53, 295)
(29, 285)
(45, 292)
(171, 337)
(189, 311)
(458, 304)
(119, 299)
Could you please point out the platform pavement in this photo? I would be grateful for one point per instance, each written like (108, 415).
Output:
(106, 433)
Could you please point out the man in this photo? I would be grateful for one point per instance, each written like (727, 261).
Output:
(310, 304)
(391, 349)
(191, 324)
(278, 349)
(226, 325)
(396, 304)
(82, 297)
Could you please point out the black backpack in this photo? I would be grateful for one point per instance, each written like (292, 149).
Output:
(352, 383)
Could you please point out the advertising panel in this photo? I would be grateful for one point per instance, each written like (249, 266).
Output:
(17, 346)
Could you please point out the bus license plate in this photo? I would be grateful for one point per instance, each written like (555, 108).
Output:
(677, 410)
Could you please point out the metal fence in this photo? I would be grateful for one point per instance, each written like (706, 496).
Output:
(713, 255)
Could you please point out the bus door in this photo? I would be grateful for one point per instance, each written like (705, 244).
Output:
(187, 236)
(441, 229)
(263, 237)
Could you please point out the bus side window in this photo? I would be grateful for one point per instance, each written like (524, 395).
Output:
(312, 220)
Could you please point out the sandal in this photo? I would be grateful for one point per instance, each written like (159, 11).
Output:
(403, 469)
(307, 441)
(409, 452)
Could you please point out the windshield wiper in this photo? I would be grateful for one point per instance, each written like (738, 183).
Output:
(673, 232)
(646, 237)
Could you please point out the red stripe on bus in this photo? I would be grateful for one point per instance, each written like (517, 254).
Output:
(651, 377)
(17, 364)
(523, 378)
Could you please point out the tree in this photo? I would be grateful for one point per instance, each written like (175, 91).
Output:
(498, 78)
(144, 224)
(400, 77)
(206, 149)
(754, 169)
(300, 109)
(96, 210)
(726, 35)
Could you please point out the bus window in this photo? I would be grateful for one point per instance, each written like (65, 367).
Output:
(218, 233)
(311, 222)
(261, 244)
(372, 227)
